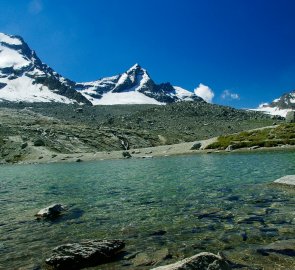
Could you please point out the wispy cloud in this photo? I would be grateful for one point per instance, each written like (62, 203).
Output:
(204, 92)
(35, 6)
(227, 94)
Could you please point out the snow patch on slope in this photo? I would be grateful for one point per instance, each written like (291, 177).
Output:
(183, 94)
(9, 40)
(272, 110)
(22, 89)
(133, 97)
(11, 58)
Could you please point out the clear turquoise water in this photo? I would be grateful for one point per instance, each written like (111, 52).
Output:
(132, 199)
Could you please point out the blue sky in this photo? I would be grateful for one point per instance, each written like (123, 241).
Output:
(243, 47)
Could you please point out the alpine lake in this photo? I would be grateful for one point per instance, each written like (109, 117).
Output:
(165, 209)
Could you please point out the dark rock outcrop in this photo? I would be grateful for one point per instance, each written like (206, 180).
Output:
(84, 254)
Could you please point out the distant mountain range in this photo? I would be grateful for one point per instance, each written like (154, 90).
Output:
(280, 106)
(23, 77)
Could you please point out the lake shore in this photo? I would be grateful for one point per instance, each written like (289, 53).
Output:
(43, 155)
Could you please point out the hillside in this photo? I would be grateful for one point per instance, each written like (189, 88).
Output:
(60, 128)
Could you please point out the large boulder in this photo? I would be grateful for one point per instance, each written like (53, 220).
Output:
(84, 254)
(51, 211)
(202, 261)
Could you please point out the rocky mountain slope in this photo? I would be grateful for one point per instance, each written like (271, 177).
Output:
(23, 77)
(39, 129)
(135, 86)
(280, 106)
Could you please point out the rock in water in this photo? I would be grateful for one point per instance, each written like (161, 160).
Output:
(202, 261)
(84, 254)
(52, 211)
(286, 180)
(284, 247)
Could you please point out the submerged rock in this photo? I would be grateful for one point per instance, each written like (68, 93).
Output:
(51, 211)
(158, 233)
(284, 247)
(202, 261)
(147, 259)
(84, 254)
(250, 220)
(286, 180)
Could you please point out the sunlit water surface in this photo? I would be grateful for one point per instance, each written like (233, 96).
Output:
(200, 202)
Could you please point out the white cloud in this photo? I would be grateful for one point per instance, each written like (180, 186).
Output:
(204, 92)
(227, 94)
(35, 6)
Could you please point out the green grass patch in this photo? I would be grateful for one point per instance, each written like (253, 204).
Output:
(269, 137)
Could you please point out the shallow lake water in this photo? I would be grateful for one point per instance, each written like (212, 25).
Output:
(182, 205)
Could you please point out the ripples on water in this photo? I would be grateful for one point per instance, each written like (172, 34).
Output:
(202, 203)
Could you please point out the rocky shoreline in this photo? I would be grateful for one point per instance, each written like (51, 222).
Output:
(45, 156)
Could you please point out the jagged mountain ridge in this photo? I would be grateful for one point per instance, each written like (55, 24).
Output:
(23, 77)
(280, 106)
(134, 86)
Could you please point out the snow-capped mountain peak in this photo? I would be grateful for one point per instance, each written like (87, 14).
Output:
(280, 106)
(135, 86)
(23, 77)
(11, 40)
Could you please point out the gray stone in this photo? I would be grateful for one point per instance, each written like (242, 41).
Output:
(39, 142)
(24, 145)
(286, 180)
(285, 247)
(290, 117)
(51, 211)
(84, 254)
(79, 110)
(126, 154)
(202, 261)
(250, 220)
(147, 259)
(196, 146)
(229, 148)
